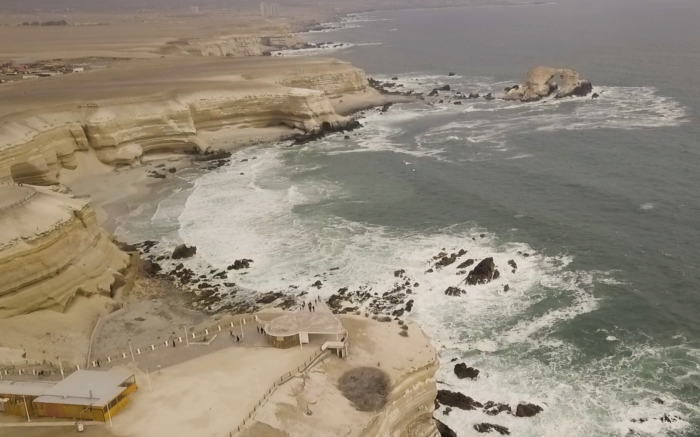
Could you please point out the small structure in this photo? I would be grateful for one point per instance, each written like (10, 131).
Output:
(78, 69)
(85, 394)
(294, 329)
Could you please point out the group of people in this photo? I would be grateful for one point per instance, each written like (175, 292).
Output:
(231, 335)
(311, 306)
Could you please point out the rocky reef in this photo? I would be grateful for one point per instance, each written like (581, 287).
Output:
(545, 81)
(52, 249)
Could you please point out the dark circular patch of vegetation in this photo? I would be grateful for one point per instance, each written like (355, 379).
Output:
(366, 387)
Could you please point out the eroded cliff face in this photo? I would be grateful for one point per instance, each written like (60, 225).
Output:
(34, 148)
(51, 248)
(409, 410)
(544, 81)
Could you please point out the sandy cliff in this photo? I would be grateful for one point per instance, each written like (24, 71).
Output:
(544, 81)
(51, 249)
(313, 406)
(123, 125)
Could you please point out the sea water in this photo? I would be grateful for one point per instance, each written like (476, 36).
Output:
(601, 316)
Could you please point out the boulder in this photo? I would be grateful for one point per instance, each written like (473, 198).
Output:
(527, 410)
(488, 427)
(386, 107)
(240, 264)
(489, 96)
(433, 93)
(150, 267)
(444, 88)
(451, 74)
(466, 264)
(483, 273)
(184, 251)
(512, 264)
(595, 96)
(457, 400)
(454, 291)
(474, 95)
(462, 371)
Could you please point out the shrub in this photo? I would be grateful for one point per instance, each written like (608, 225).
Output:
(366, 387)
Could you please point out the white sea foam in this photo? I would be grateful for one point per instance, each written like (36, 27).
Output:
(647, 206)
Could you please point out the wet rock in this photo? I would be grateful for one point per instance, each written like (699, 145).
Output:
(483, 273)
(386, 107)
(582, 89)
(230, 284)
(444, 430)
(444, 88)
(506, 287)
(493, 409)
(433, 93)
(155, 174)
(457, 103)
(446, 261)
(270, 297)
(395, 78)
(172, 169)
(451, 74)
(489, 96)
(318, 284)
(474, 95)
(659, 401)
(512, 264)
(213, 155)
(150, 267)
(462, 371)
(527, 410)
(399, 273)
(488, 427)
(221, 275)
(595, 96)
(457, 400)
(184, 251)
(240, 264)
(466, 264)
(454, 291)
(204, 285)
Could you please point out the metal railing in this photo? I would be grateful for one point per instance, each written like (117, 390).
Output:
(31, 194)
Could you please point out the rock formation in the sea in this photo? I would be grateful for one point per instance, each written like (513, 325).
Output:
(51, 249)
(457, 400)
(444, 430)
(488, 427)
(463, 371)
(527, 410)
(545, 81)
(184, 251)
(483, 273)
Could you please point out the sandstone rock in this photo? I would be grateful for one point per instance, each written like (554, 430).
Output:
(539, 84)
(184, 251)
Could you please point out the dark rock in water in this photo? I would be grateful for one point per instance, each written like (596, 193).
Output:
(240, 264)
(454, 291)
(474, 95)
(150, 267)
(483, 273)
(447, 411)
(583, 89)
(184, 251)
(506, 287)
(386, 107)
(595, 96)
(204, 285)
(433, 93)
(318, 284)
(429, 271)
(398, 273)
(444, 88)
(270, 297)
(441, 101)
(230, 284)
(446, 261)
(444, 430)
(160, 165)
(461, 252)
(347, 137)
(512, 264)
(453, 360)
(527, 410)
(451, 74)
(325, 129)
(659, 401)
(488, 427)
(493, 409)
(221, 275)
(458, 103)
(212, 156)
(489, 96)
(172, 169)
(394, 78)
(496, 275)
(466, 264)
(457, 400)
(155, 174)
(462, 371)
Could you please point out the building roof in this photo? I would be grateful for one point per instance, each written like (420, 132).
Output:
(26, 388)
(87, 387)
(302, 321)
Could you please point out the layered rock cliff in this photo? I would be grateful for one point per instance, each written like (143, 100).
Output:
(34, 147)
(52, 249)
(409, 410)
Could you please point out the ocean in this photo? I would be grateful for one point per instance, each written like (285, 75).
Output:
(595, 201)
